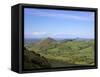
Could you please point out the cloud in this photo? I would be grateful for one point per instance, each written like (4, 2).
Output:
(38, 33)
(57, 35)
(49, 34)
(62, 15)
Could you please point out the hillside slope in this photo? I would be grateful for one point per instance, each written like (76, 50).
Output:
(33, 60)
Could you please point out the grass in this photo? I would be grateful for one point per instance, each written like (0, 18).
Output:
(66, 53)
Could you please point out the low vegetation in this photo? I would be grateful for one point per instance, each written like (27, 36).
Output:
(59, 53)
(33, 60)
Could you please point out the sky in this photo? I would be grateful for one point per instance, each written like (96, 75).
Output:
(43, 23)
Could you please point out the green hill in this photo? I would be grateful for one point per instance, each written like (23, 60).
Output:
(33, 60)
(64, 53)
(43, 45)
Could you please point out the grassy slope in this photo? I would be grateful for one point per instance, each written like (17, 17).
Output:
(33, 60)
(66, 53)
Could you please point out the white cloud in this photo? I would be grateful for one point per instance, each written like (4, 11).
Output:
(60, 15)
(62, 34)
(49, 34)
(38, 33)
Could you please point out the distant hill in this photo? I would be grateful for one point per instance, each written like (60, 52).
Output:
(46, 41)
(44, 44)
(32, 60)
(28, 41)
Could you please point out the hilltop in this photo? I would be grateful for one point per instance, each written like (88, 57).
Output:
(43, 44)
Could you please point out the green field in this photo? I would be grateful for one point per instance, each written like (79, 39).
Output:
(65, 53)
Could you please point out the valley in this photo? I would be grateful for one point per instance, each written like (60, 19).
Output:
(60, 53)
